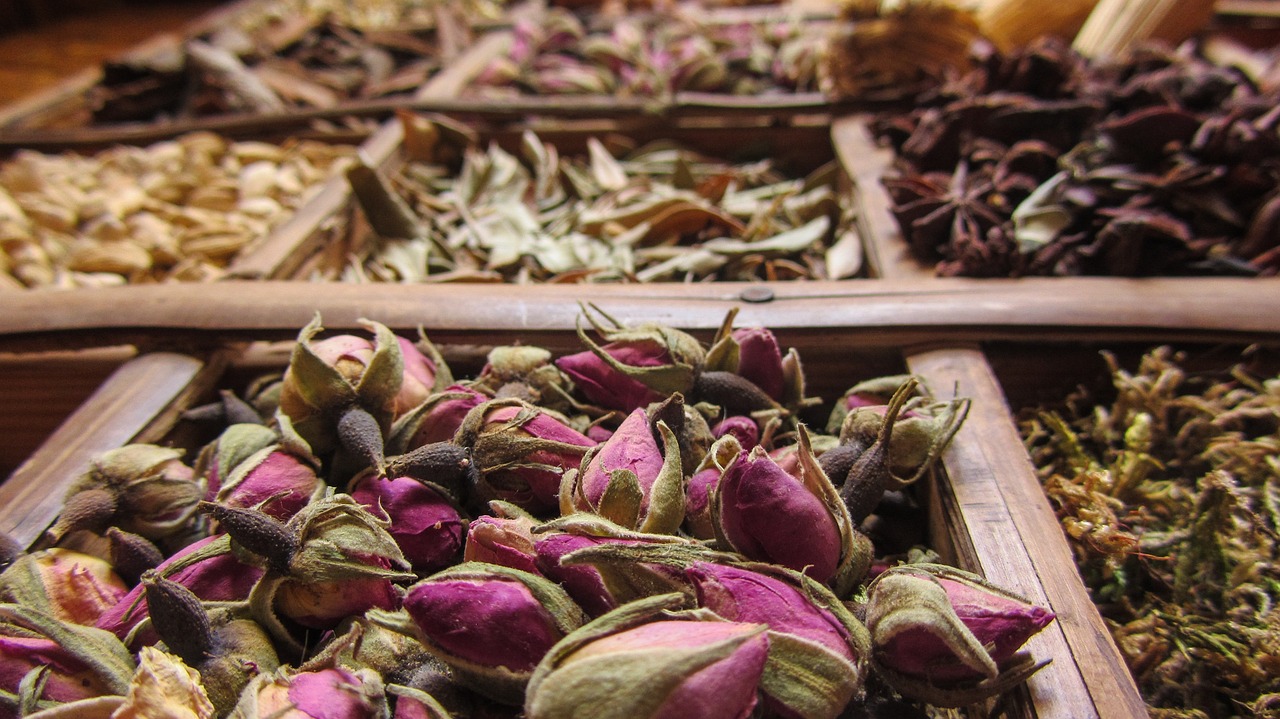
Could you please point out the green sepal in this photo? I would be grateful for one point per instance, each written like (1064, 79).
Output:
(332, 533)
(855, 554)
(809, 679)
(620, 502)
(444, 375)
(664, 379)
(908, 600)
(384, 375)
(725, 352)
(435, 710)
(320, 385)
(99, 650)
(236, 444)
(667, 495)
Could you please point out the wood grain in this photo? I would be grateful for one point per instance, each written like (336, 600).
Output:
(138, 402)
(1018, 544)
(883, 311)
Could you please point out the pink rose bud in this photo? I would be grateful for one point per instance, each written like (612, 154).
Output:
(287, 481)
(636, 367)
(753, 494)
(437, 419)
(633, 459)
(504, 541)
(744, 429)
(335, 693)
(697, 508)
(600, 383)
(582, 581)
(522, 453)
(663, 669)
(491, 624)
(69, 678)
(426, 525)
(949, 635)
(419, 377)
(760, 360)
(145, 489)
(808, 627)
(220, 577)
(323, 605)
(70, 586)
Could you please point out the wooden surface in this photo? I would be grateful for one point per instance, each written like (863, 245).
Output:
(1006, 518)
(137, 403)
(887, 311)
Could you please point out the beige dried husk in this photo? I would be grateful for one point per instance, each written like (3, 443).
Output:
(884, 50)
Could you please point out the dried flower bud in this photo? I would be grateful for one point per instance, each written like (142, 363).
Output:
(423, 521)
(435, 420)
(760, 360)
(699, 520)
(753, 494)
(326, 378)
(132, 555)
(165, 687)
(525, 372)
(251, 466)
(948, 637)
(506, 541)
(207, 568)
(521, 452)
(631, 480)
(637, 662)
(67, 585)
(744, 429)
(330, 693)
(151, 493)
(636, 367)
(491, 624)
(818, 651)
(79, 662)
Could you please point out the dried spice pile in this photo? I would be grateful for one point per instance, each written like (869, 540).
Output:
(302, 64)
(643, 528)
(653, 56)
(660, 213)
(175, 210)
(1039, 163)
(1170, 496)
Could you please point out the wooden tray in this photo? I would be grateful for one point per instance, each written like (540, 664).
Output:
(984, 514)
(335, 224)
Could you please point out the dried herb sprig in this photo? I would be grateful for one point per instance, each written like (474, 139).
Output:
(1169, 495)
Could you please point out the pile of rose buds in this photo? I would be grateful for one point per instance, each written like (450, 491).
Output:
(644, 529)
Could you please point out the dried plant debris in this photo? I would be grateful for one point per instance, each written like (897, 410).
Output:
(1040, 163)
(654, 56)
(1170, 497)
(230, 71)
(658, 213)
(175, 210)
(370, 535)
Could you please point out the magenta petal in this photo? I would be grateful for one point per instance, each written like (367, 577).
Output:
(999, 623)
(324, 695)
(424, 524)
(497, 622)
(754, 493)
(631, 447)
(581, 581)
(760, 360)
(608, 387)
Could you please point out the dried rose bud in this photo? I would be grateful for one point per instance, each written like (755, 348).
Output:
(810, 631)
(744, 429)
(506, 541)
(423, 521)
(637, 662)
(141, 488)
(329, 693)
(745, 371)
(80, 662)
(631, 480)
(363, 642)
(948, 637)
(491, 624)
(752, 496)
(205, 567)
(67, 585)
(636, 366)
(525, 372)
(521, 452)
(164, 686)
(760, 360)
(250, 466)
(698, 519)
(345, 564)
(435, 420)
(329, 379)
(413, 703)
